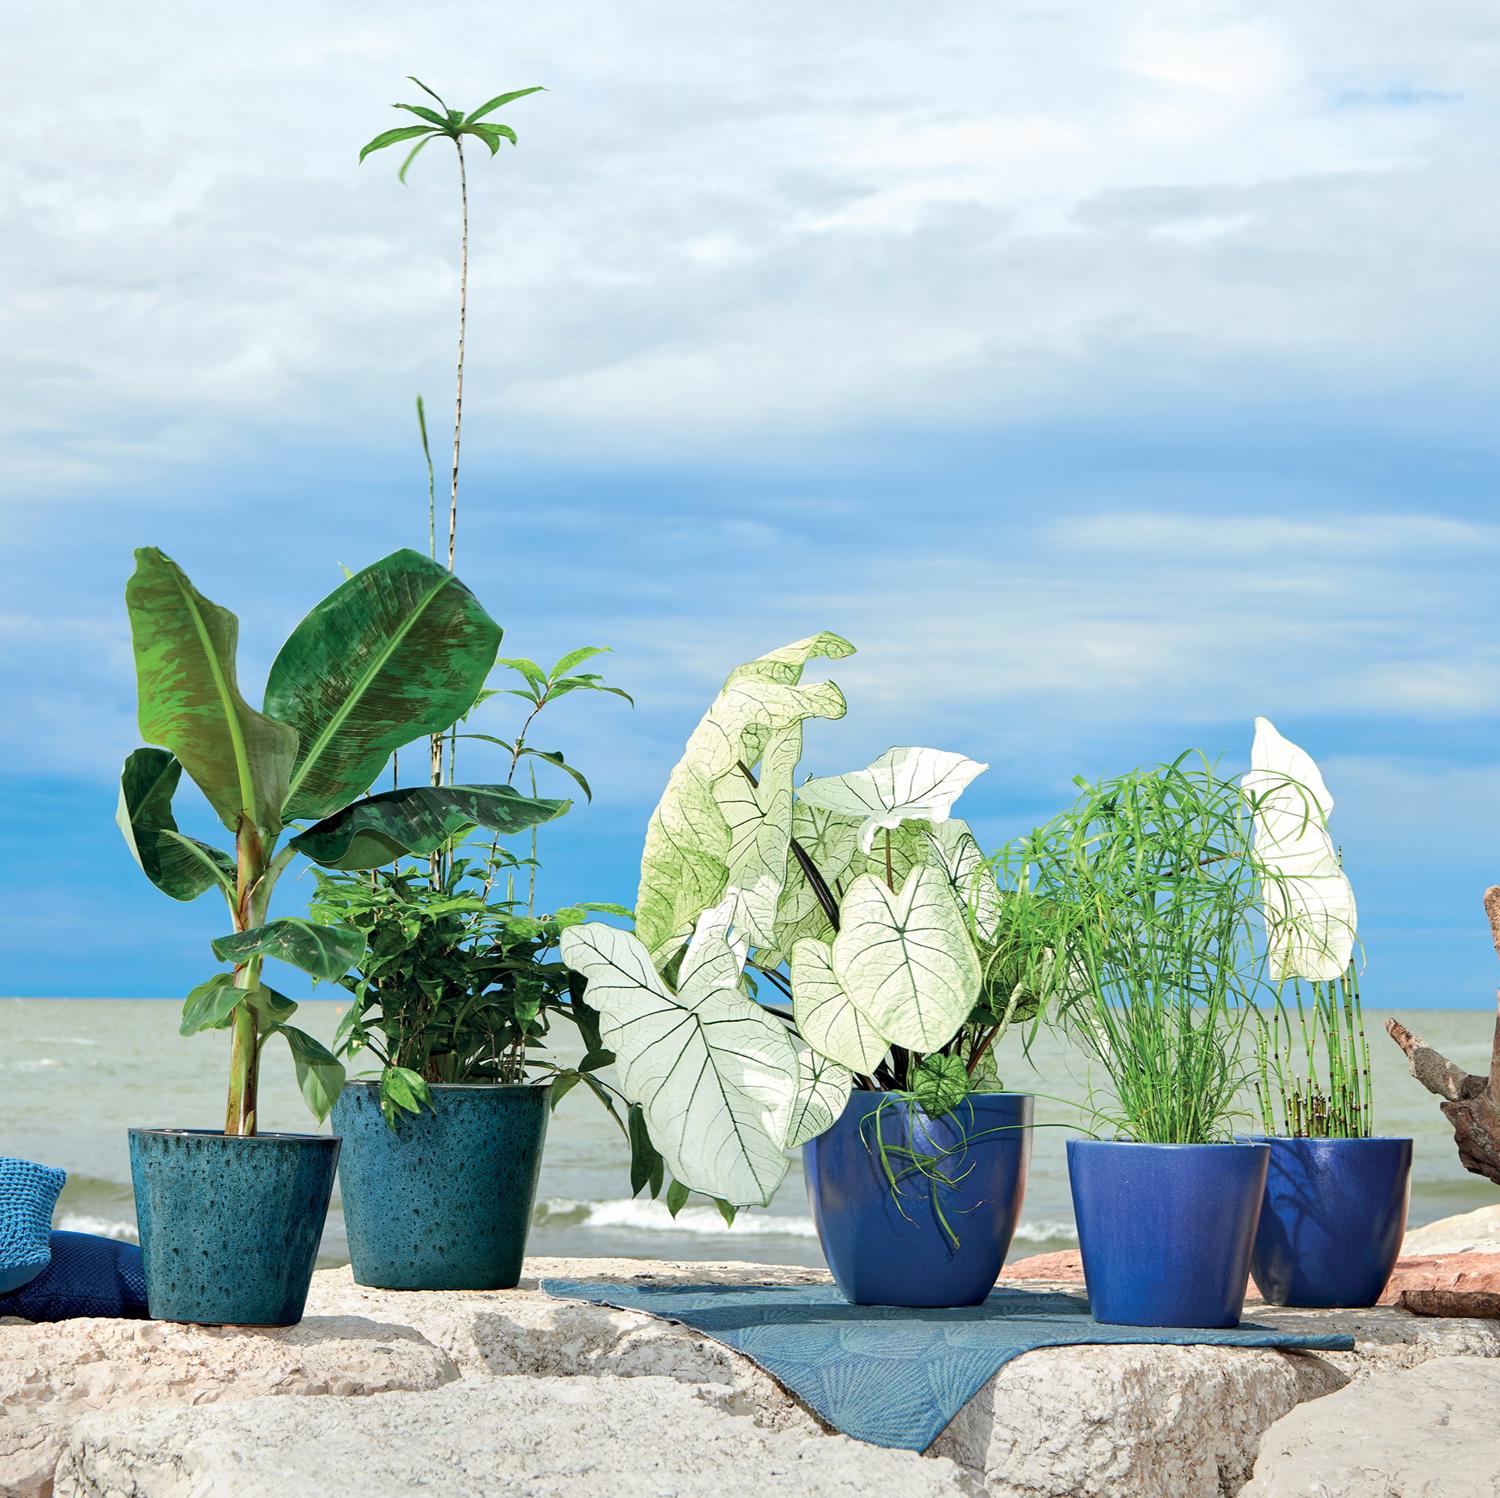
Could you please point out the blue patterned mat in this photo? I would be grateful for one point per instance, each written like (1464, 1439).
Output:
(889, 1375)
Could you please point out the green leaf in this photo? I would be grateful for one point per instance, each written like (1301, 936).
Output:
(418, 820)
(727, 1210)
(822, 1091)
(827, 1018)
(189, 700)
(500, 101)
(577, 658)
(684, 868)
(760, 834)
(210, 1005)
(412, 77)
(411, 156)
(179, 866)
(271, 1008)
(391, 137)
(489, 134)
(398, 652)
(319, 1074)
(941, 1083)
(422, 112)
(677, 1197)
(529, 669)
(645, 1162)
(402, 1088)
(327, 952)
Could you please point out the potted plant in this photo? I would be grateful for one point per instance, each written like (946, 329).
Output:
(867, 916)
(456, 990)
(230, 1219)
(1152, 882)
(1336, 1197)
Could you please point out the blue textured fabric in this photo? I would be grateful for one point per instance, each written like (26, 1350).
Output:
(890, 1375)
(28, 1193)
(88, 1276)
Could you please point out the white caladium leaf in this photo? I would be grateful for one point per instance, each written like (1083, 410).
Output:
(957, 853)
(822, 1091)
(902, 785)
(685, 865)
(716, 954)
(831, 841)
(827, 1018)
(906, 959)
(759, 816)
(1309, 902)
(715, 1074)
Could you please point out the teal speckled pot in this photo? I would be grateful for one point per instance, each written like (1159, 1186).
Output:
(230, 1226)
(444, 1202)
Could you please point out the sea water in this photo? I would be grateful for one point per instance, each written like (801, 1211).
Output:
(76, 1073)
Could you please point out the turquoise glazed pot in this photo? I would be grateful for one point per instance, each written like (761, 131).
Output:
(230, 1226)
(444, 1201)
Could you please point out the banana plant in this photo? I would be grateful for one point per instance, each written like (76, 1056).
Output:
(398, 652)
(859, 898)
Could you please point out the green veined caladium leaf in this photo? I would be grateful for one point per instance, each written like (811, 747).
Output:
(398, 652)
(319, 1073)
(1309, 902)
(684, 868)
(714, 1073)
(178, 865)
(759, 817)
(827, 1018)
(189, 699)
(956, 851)
(941, 1083)
(903, 784)
(906, 959)
(327, 952)
(418, 819)
(831, 842)
(822, 1091)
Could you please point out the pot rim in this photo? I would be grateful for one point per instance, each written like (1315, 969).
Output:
(541, 1086)
(270, 1136)
(1145, 1144)
(1336, 1139)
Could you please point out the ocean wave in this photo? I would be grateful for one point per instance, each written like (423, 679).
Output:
(103, 1227)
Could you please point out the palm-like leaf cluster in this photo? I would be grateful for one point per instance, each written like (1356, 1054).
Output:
(453, 124)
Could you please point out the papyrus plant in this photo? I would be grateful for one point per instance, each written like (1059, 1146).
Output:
(856, 897)
(400, 651)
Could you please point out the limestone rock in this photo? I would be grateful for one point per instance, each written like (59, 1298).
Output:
(50, 1374)
(1467, 1233)
(1428, 1431)
(604, 1437)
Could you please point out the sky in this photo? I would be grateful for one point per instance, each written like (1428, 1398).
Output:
(1109, 374)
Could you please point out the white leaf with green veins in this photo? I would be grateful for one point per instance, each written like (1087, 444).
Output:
(832, 843)
(822, 1091)
(760, 833)
(903, 784)
(957, 852)
(715, 1074)
(685, 865)
(827, 1018)
(906, 960)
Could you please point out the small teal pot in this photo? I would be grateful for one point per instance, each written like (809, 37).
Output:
(1165, 1230)
(885, 1250)
(1332, 1222)
(230, 1226)
(443, 1201)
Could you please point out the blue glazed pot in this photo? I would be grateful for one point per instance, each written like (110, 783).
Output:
(1333, 1220)
(1165, 1230)
(444, 1202)
(230, 1226)
(888, 1252)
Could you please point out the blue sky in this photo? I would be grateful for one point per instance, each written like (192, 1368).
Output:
(1108, 375)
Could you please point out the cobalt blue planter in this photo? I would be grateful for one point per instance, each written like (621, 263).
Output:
(230, 1226)
(1333, 1220)
(888, 1252)
(444, 1201)
(1165, 1230)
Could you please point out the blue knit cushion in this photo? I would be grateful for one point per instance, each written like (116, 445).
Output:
(88, 1276)
(28, 1193)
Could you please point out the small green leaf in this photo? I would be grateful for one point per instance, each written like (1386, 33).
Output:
(271, 1008)
(577, 658)
(940, 1085)
(319, 1075)
(411, 156)
(210, 1005)
(727, 1210)
(489, 134)
(677, 1197)
(500, 101)
(412, 77)
(405, 1089)
(327, 952)
(646, 1164)
(529, 669)
(391, 137)
(422, 112)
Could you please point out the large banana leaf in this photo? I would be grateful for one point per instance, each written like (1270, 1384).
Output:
(827, 1018)
(189, 699)
(906, 959)
(684, 868)
(327, 952)
(418, 820)
(400, 651)
(178, 865)
(715, 1074)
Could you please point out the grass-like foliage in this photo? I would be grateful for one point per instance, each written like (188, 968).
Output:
(1327, 1096)
(1148, 892)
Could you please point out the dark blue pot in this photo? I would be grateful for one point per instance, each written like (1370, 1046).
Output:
(889, 1251)
(444, 1202)
(230, 1226)
(1165, 1230)
(1333, 1220)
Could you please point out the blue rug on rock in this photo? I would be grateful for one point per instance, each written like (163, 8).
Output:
(886, 1374)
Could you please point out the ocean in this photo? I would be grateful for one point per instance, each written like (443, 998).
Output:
(76, 1073)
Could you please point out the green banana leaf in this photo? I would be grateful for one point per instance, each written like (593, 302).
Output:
(326, 952)
(189, 699)
(178, 865)
(418, 819)
(398, 652)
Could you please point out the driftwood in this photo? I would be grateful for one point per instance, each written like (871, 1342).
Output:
(1471, 1104)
